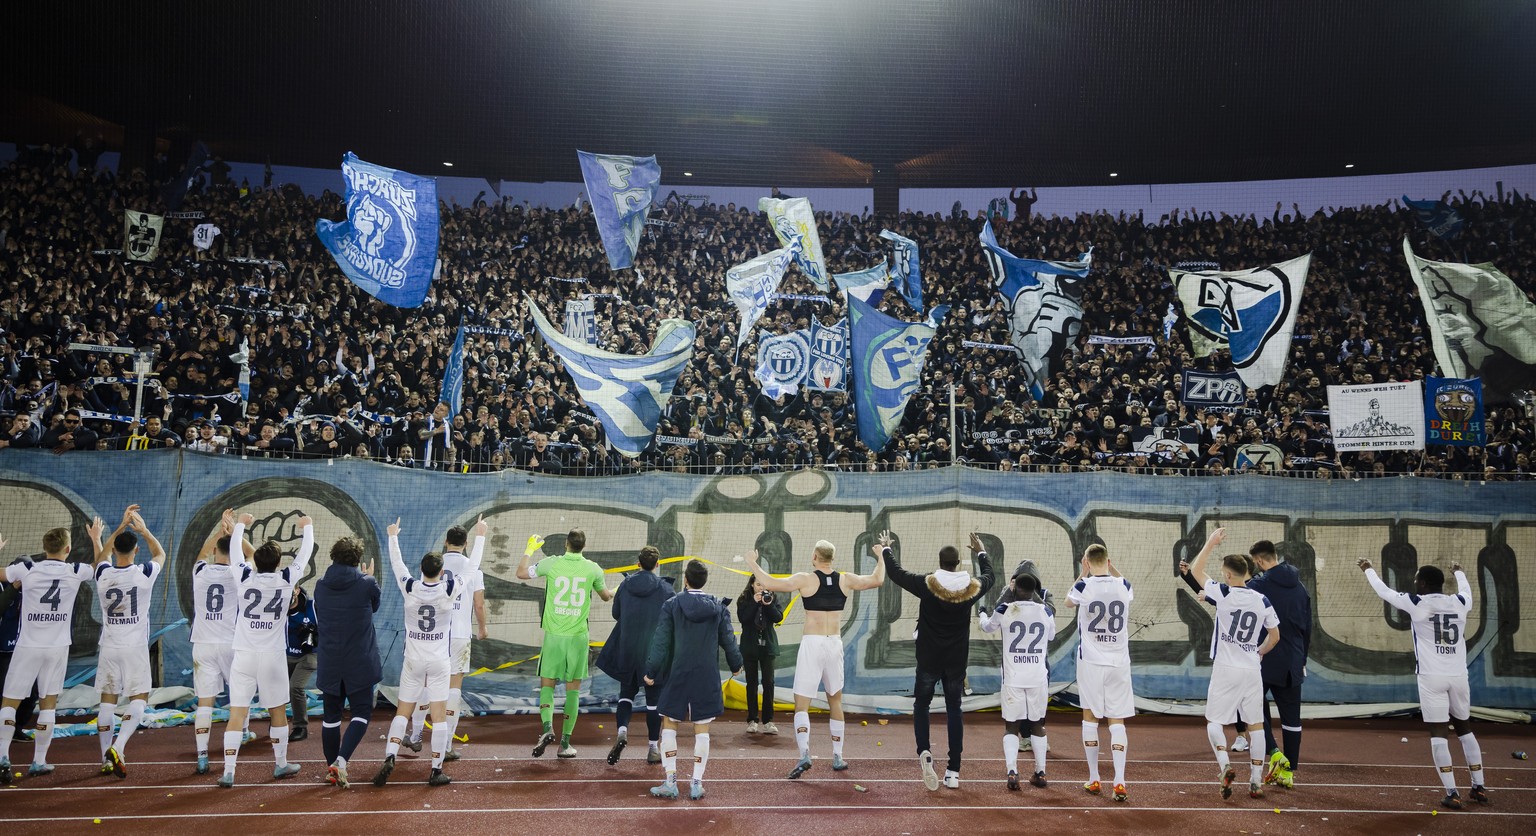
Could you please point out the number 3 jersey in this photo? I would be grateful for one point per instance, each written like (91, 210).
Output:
(1027, 628)
(261, 598)
(1240, 613)
(428, 609)
(1103, 619)
(123, 592)
(1439, 625)
(48, 590)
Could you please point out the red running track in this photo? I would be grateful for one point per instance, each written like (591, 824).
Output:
(1358, 777)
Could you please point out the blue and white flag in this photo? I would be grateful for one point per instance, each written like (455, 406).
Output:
(453, 377)
(1249, 312)
(1213, 389)
(783, 360)
(888, 357)
(869, 285)
(905, 275)
(1453, 411)
(795, 224)
(621, 190)
(581, 320)
(388, 244)
(751, 285)
(829, 357)
(1044, 304)
(1444, 221)
(627, 392)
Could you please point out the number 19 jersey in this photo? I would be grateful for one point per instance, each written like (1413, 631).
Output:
(570, 580)
(1103, 619)
(1240, 612)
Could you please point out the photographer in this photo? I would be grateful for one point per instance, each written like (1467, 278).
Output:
(303, 633)
(759, 613)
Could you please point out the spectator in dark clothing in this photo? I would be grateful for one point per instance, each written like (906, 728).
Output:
(759, 612)
(302, 637)
(22, 434)
(10, 632)
(1023, 203)
(347, 665)
(68, 434)
(636, 607)
(943, 641)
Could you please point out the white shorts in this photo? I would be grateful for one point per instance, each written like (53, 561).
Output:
(424, 680)
(1235, 694)
(258, 672)
(42, 665)
(211, 663)
(459, 653)
(819, 666)
(1441, 698)
(1025, 703)
(123, 670)
(1106, 690)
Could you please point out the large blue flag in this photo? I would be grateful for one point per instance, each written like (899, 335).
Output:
(453, 377)
(869, 285)
(1441, 219)
(388, 244)
(1044, 303)
(905, 275)
(795, 225)
(1453, 411)
(888, 357)
(751, 284)
(621, 190)
(627, 392)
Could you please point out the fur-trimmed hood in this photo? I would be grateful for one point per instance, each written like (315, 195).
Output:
(953, 587)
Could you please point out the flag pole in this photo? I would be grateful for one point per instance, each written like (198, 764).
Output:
(952, 423)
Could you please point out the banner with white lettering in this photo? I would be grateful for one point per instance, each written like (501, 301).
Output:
(1212, 389)
(1377, 416)
(388, 244)
(581, 320)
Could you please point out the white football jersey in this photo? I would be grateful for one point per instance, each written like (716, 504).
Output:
(1103, 619)
(1240, 614)
(124, 594)
(261, 619)
(213, 603)
(1027, 628)
(48, 590)
(465, 573)
(428, 609)
(1439, 625)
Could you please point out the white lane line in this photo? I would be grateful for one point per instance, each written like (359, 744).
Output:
(790, 759)
(673, 809)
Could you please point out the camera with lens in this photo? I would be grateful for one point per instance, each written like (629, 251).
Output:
(765, 596)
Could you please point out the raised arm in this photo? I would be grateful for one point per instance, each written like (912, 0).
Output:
(1384, 592)
(793, 583)
(873, 579)
(911, 582)
(211, 544)
(156, 551)
(1463, 588)
(104, 548)
(396, 561)
(95, 530)
(237, 535)
(306, 548)
(1197, 568)
(477, 551)
(524, 571)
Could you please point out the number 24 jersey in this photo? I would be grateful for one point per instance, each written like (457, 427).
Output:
(1103, 619)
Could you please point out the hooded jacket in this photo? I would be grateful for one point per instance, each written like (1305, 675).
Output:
(944, 612)
(636, 607)
(685, 659)
(1286, 664)
(347, 656)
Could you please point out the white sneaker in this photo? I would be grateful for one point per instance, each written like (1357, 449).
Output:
(1239, 745)
(752, 727)
(930, 777)
(952, 780)
(770, 728)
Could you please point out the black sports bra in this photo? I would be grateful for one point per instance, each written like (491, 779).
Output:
(829, 596)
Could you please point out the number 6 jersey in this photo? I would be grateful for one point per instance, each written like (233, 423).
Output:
(1240, 613)
(1103, 617)
(261, 601)
(1439, 625)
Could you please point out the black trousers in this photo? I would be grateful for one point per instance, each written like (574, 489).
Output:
(1288, 702)
(759, 669)
(953, 678)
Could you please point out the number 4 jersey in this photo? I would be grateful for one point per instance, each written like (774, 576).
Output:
(48, 590)
(1240, 613)
(261, 600)
(1439, 622)
(1103, 610)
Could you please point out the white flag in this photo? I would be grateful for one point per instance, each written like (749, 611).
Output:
(1480, 324)
(795, 224)
(1252, 313)
(581, 320)
(203, 235)
(141, 235)
(1377, 416)
(751, 285)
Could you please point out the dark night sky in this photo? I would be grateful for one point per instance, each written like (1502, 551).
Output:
(950, 92)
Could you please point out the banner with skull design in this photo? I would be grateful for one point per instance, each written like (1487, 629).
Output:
(1044, 304)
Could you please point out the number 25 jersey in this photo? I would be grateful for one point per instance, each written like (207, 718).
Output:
(1103, 619)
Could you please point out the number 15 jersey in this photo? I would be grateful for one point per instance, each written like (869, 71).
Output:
(1439, 625)
(1103, 619)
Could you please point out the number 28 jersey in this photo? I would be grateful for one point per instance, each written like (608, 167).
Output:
(1103, 619)
(1240, 613)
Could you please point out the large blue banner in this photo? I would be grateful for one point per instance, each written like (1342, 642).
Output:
(388, 244)
(1453, 411)
(621, 190)
(1361, 652)
(887, 360)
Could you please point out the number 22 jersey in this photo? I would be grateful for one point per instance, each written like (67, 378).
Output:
(1103, 619)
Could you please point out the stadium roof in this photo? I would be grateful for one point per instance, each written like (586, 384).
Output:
(803, 93)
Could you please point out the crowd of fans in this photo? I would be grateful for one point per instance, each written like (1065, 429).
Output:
(335, 373)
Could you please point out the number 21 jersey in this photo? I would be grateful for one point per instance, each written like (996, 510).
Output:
(1103, 619)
